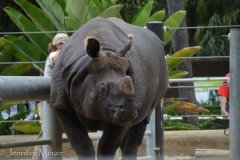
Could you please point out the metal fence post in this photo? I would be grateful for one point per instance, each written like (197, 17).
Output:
(150, 140)
(52, 131)
(157, 28)
(234, 93)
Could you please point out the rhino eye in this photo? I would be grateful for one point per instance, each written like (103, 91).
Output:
(103, 90)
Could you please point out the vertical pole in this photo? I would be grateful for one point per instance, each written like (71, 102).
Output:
(234, 93)
(150, 140)
(157, 28)
(53, 131)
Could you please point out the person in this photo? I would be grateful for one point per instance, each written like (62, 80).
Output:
(54, 49)
(223, 91)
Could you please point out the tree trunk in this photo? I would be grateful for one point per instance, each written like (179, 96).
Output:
(180, 41)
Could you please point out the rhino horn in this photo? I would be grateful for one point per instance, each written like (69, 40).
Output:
(126, 47)
(92, 46)
(126, 85)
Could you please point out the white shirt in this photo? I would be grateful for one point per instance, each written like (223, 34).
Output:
(49, 65)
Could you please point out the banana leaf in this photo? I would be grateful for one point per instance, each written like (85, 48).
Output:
(25, 25)
(77, 9)
(35, 111)
(99, 5)
(108, 3)
(54, 12)
(27, 127)
(72, 23)
(177, 74)
(27, 49)
(2, 44)
(157, 16)
(173, 21)
(4, 106)
(37, 16)
(7, 52)
(62, 4)
(95, 8)
(112, 11)
(175, 105)
(170, 107)
(186, 52)
(141, 18)
(19, 116)
(16, 70)
(189, 107)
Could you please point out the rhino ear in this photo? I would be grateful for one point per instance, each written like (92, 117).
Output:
(92, 46)
(126, 47)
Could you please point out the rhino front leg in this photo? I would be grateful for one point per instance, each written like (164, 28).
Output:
(77, 135)
(110, 141)
(132, 141)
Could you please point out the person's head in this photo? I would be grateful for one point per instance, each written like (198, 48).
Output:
(59, 40)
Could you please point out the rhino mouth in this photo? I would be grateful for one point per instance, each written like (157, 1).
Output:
(118, 114)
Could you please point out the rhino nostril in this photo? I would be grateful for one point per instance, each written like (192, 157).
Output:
(119, 109)
(138, 110)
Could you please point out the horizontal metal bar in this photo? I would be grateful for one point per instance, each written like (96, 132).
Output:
(146, 158)
(195, 86)
(202, 27)
(24, 88)
(24, 144)
(32, 62)
(14, 121)
(36, 88)
(183, 80)
(220, 116)
(204, 57)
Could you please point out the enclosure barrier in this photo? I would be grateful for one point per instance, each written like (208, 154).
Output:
(38, 88)
(9, 93)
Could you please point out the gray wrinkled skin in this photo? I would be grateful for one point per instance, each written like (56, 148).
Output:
(106, 80)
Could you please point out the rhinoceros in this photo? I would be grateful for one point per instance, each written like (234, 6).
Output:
(109, 76)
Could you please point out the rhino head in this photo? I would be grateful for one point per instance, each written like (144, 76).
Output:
(108, 90)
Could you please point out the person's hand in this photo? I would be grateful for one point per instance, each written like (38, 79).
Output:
(54, 59)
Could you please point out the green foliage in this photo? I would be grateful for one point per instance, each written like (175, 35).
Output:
(27, 127)
(211, 13)
(5, 127)
(212, 123)
(21, 126)
(131, 7)
(177, 125)
(173, 21)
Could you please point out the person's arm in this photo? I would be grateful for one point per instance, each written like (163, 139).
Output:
(54, 58)
(223, 106)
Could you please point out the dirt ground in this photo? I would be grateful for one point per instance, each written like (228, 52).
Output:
(178, 145)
